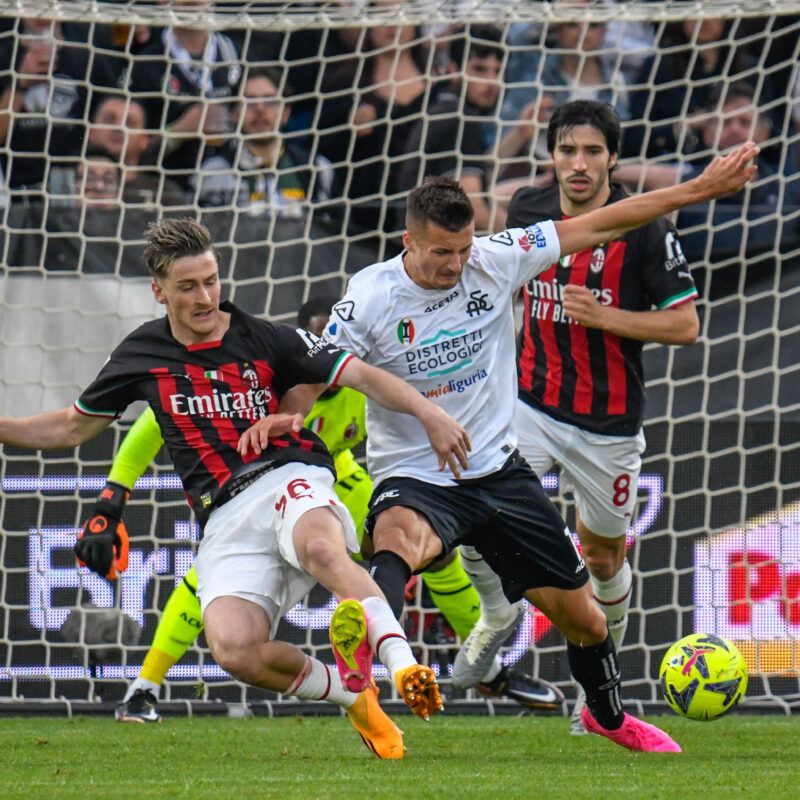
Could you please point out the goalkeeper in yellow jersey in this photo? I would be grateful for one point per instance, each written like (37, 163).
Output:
(338, 419)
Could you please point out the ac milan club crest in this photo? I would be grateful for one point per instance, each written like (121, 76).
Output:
(598, 260)
(251, 376)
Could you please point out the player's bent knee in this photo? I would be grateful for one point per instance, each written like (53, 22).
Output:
(603, 567)
(604, 556)
(232, 661)
(242, 661)
(396, 540)
(322, 553)
(407, 534)
(591, 628)
(578, 617)
(236, 631)
(319, 539)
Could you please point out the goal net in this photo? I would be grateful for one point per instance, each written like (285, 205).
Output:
(115, 113)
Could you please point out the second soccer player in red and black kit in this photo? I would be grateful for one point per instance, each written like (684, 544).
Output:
(581, 381)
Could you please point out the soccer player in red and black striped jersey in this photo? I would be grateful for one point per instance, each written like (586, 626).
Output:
(581, 382)
(273, 526)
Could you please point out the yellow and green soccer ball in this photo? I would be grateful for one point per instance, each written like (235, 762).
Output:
(703, 676)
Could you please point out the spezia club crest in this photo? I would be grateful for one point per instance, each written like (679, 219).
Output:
(405, 331)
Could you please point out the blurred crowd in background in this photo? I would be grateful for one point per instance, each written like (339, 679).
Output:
(332, 126)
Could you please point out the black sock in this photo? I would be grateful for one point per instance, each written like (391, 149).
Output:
(596, 670)
(391, 574)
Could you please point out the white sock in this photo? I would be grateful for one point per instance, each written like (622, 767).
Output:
(317, 681)
(386, 636)
(496, 611)
(614, 598)
(146, 686)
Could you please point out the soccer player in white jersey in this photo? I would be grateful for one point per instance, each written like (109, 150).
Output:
(440, 316)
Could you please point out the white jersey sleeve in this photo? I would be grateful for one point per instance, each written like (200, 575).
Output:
(356, 317)
(518, 254)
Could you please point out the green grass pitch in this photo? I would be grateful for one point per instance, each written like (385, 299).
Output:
(449, 757)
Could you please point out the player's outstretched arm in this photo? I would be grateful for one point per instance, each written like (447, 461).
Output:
(723, 176)
(51, 429)
(54, 429)
(448, 438)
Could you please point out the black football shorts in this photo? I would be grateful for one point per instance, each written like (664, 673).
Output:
(505, 516)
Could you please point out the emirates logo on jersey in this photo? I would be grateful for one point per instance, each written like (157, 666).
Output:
(405, 331)
(598, 260)
(252, 404)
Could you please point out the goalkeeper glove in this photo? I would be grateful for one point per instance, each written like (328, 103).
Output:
(103, 543)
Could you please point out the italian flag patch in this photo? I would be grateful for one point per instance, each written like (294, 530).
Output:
(212, 375)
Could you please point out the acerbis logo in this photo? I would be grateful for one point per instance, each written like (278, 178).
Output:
(405, 331)
(442, 303)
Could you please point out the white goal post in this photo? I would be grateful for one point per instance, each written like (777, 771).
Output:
(716, 544)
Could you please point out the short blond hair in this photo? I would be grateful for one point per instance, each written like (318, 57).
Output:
(171, 239)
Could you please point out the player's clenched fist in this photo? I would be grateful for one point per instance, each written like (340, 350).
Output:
(103, 543)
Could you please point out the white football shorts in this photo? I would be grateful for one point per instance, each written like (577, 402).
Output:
(247, 548)
(602, 471)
